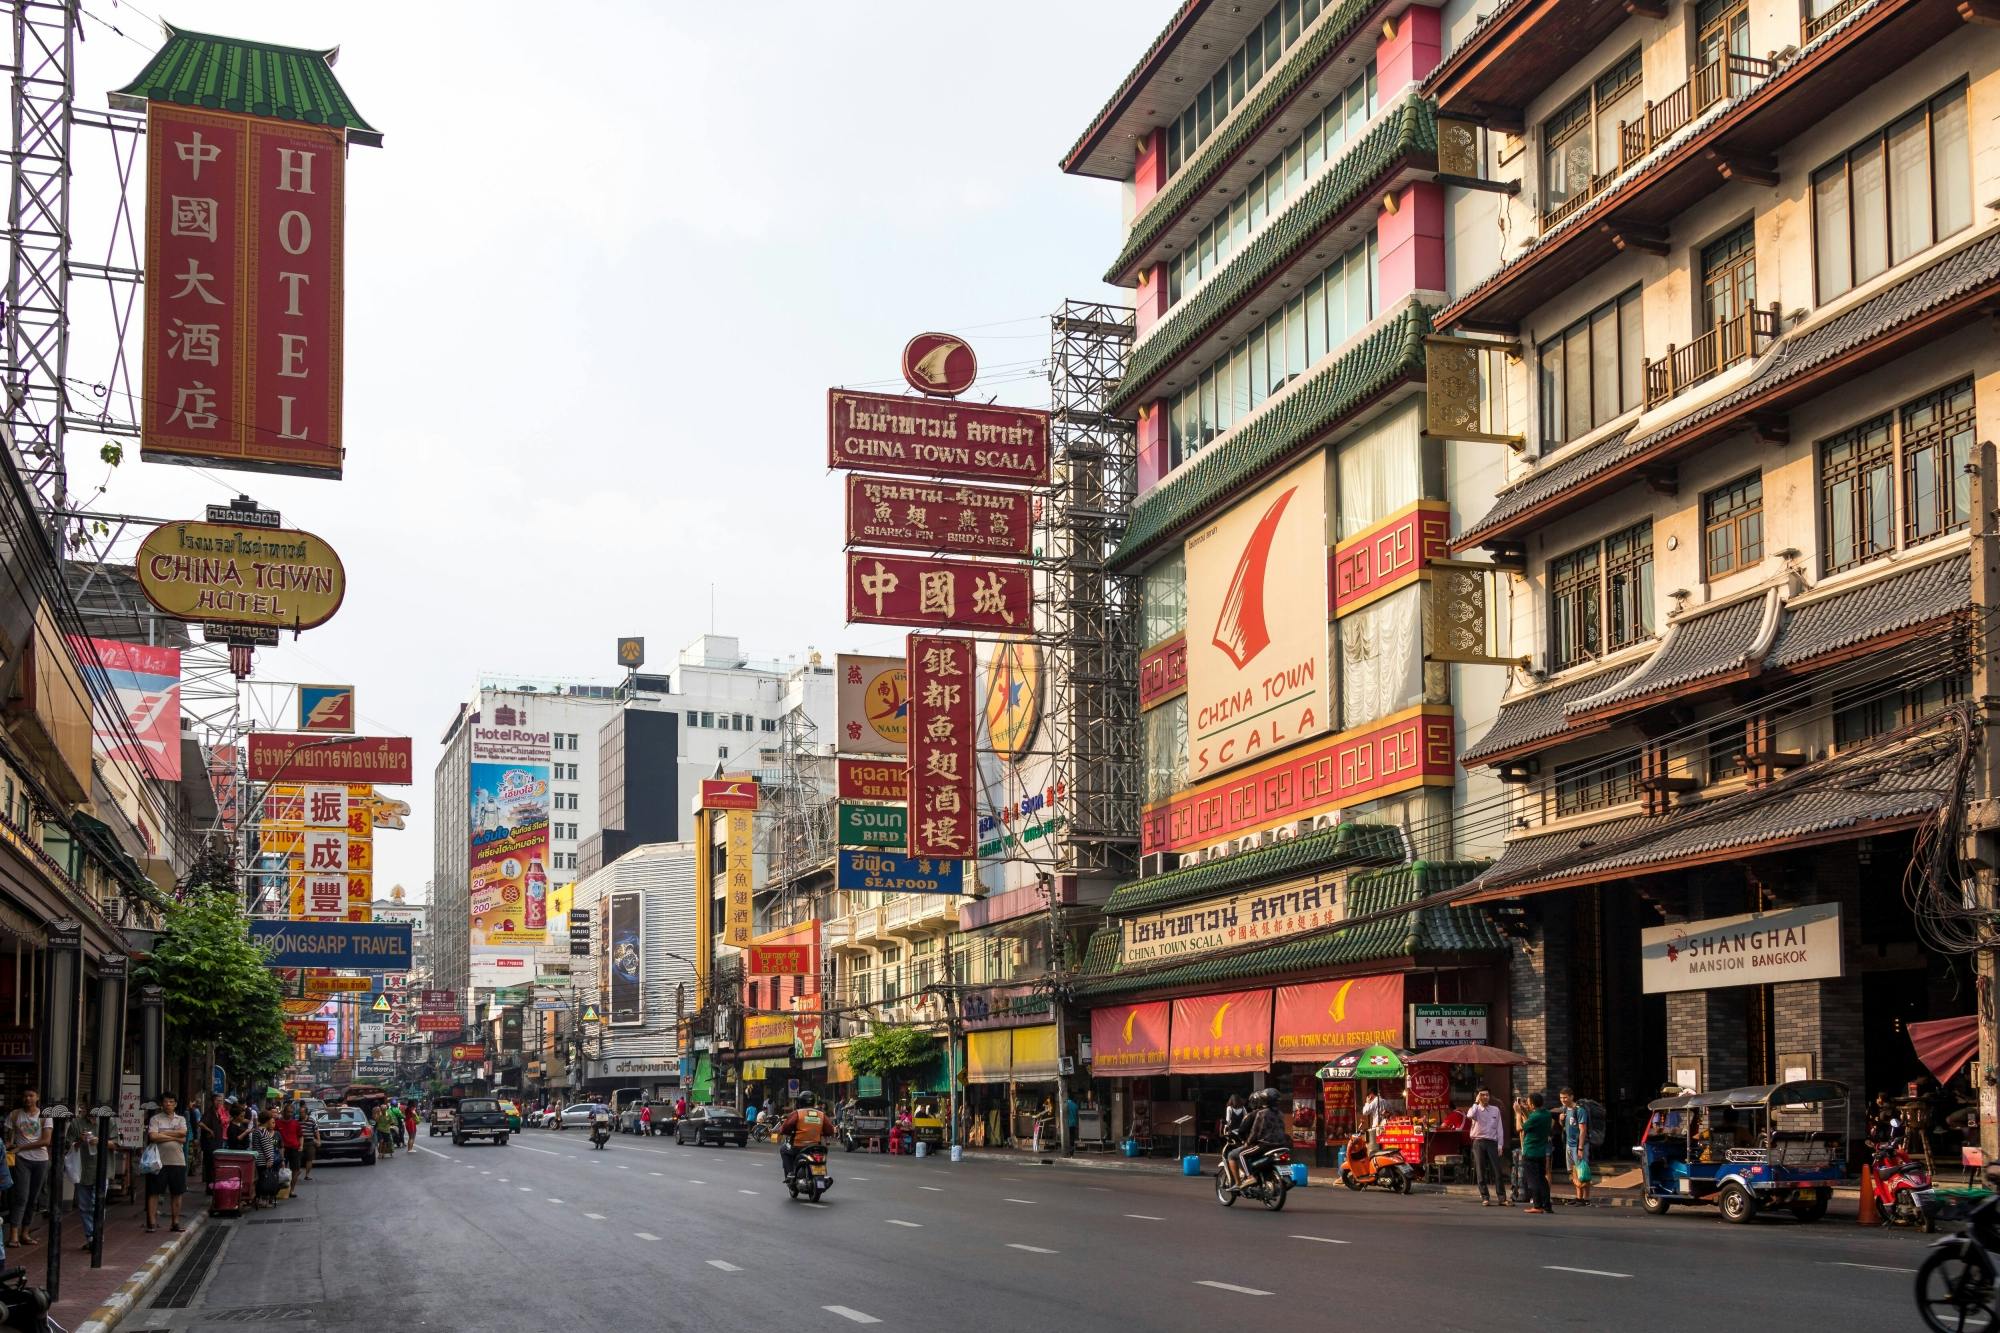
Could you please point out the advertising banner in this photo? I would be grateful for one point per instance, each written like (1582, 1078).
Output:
(872, 705)
(510, 837)
(337, 985)
(234, 574)
(1257, 670)
(628, 951)
(883, 827)
(808, 1031)
(886, 872)
(1272, 913)
(146, 683)
(939, 363)
(739, 878)
(1433, 1025)
(470, 1054)
(373, 946)
(784, 960)
(1221, 1034)
(943, 727)
(767, 1030)
(938, 593)
(1128, 1040)
(938, 516)
(244, 220)
(878, 432)
(439, 1023)
(874, 780)
(326, 709)
(324, 806)
(1329, 1018)
(309, 1031)
(296, 758)
(438, 999)
(728, 793)
(1013, 697)
(1794, 944)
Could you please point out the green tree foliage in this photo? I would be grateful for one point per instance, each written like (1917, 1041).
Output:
(889, 1051)
(219, 990)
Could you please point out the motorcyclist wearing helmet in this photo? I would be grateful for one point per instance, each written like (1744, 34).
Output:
(805, 1126)
(1235, 1124)
(1267, 1131)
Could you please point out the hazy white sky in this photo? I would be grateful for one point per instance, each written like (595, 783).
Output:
(598, 281)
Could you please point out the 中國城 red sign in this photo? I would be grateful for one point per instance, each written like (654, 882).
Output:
(874, 780)
(915, 515)
(937, 594)
(244, 263)
(932, 437)
(295, 758)
(943, 725)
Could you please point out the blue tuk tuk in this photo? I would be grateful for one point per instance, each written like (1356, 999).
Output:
(1747, 1149)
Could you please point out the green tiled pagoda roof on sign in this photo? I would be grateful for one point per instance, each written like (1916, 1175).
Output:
(1418, 933)
(1409, 132)
(1341, 845)
(1393, 352)
(254, 78)
(1251, 119)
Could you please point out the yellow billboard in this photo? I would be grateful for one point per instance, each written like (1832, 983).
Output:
(738, 880)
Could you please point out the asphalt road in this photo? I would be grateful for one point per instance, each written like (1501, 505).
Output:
(549, 1234)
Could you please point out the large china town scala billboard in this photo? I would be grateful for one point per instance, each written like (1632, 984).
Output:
(1257, 640)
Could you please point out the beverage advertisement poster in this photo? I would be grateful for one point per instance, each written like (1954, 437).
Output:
(510, 846)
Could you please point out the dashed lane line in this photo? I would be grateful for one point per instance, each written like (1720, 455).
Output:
(543, 1151)
(899, 1222)
(932, 1188)
(697, 1182)
(1231, 1286)
(724, 1265)
(1017, 1200)
(1587, 1272)
(746, 1191)
(1031, 1249)
(1145, 1217)
(555, 1200)
(595, 1217)
(524, 1189)
(1876, 1268)
(1324, 1240)
(645, 1235)
(845, 1313)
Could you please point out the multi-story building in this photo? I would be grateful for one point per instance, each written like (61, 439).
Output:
(1287, 243)
(640, 973)
(1733, 264)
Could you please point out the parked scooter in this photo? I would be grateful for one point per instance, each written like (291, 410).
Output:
(1902, 1187)
(23, 1308)
(1385, 1167)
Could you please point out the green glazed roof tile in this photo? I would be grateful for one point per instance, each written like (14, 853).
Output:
(253, 78)
(1408, 132)
(1424, 931)
(1391, 353)
(1251, 119)
(1343, 844)
(1168, 37)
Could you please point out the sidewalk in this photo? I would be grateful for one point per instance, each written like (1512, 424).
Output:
(133, 1260)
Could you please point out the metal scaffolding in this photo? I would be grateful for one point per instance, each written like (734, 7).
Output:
(1092, 611)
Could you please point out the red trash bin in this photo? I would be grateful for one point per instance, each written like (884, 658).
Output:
(233, 1166)
(225, 1196)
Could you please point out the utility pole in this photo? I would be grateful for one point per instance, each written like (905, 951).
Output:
(1985, 805)
(953, 1033)
(1056, 952)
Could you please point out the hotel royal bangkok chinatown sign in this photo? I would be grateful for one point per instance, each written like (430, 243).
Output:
(938, 539)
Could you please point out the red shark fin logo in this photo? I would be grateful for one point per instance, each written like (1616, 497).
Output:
(1240, 631)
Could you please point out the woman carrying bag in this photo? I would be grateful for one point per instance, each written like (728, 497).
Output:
(266, 1147)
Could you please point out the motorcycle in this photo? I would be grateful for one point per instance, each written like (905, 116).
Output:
(1956, 1283)
(1902, 1187)
(1270, 1181)
(600, 1133)
(809, 1175)
(1385, 1167)
(24, 1308)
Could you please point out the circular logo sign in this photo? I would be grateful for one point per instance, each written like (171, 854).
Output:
(1013, 697)
(940, 364)
(888, 697)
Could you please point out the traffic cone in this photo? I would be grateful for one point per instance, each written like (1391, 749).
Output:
(1867, 1214)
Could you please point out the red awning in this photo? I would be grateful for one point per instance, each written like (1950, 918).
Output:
(1323, 1019)
(1222, 1034)
(1129, 1039)
(1945, 1044)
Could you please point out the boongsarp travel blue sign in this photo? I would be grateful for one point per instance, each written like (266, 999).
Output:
(888, 872)
(377, 946)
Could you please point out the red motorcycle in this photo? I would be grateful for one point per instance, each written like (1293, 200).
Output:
(1902, 1187)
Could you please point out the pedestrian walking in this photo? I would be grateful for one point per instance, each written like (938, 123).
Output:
(213, 1123)
(646, 1119)
(1576, 1129)
(28, 1136)
(1537, 1127)
(1071, 1118)
(292, 1136)
(308, 1150)
(83, 1143)
(166, 1134)
(1486, 1132)
(268, 1150)
(409, 1129)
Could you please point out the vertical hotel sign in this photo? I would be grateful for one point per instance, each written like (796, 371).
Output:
(510, 851)
(943, 820)
(244, 261)
(738, 882)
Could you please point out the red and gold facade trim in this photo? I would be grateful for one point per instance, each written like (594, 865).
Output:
(1163, 672)
(1389, 556)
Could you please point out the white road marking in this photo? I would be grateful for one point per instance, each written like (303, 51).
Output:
(1017, 1200)
(543, 1151)
(501, 1179)
(815, 1205)
(1145, 1217)
(1098, 1189)
(1877, 1268)
(652, 1173)
(645, 1235)
(857, 1177)
(724, 1265)
(1231, 1286)
(1587, 1272)
(697, 1182)
(1324, 1240)
(524, 1189)
(434, 1152)
(555, 1200)
(899, 1222)
(932, 1188)
(485, 1173)
(1031, 1249)
(746, 1191)
(595, 1217)
(846, 1313)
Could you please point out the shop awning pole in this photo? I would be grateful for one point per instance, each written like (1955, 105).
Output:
(1985, 838)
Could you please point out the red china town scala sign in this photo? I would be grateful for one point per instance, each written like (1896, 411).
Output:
(940, 364)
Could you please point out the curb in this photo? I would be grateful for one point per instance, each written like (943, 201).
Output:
(134, 1289)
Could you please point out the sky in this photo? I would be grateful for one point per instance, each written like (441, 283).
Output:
(599, 278)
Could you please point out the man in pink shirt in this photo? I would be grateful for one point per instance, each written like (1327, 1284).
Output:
(1486, 1132)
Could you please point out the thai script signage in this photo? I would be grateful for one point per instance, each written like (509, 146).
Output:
(1262, 914)
(878, 826)
(885, 872)
(229, 574)
(728, 793)
(873, 432)
(1447, 1025)
(917, 515)
(873, 780)
(938, 594)
(384, 759)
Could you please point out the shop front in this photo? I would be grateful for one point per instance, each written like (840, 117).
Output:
(1010, 1086)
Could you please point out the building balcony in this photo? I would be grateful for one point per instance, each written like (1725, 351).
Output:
(920, 917)
(1730, 121)
(1730, 342)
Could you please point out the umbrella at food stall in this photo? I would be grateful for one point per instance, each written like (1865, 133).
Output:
(1376, 1061)
(1472, 1053)
(1945, 1044)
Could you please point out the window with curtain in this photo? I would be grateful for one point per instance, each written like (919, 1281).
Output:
(1601, 597)
(1926, 444)
(1580, 141)
(1166, 749)
(1591, 371)
(1383, 471)
(1163, 600)
(1382, 667)
(1576, 607)
(1893, 195)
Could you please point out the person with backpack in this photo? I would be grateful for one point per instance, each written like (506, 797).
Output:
(1582, 1127)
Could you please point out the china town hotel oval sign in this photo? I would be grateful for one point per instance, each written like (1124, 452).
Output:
(223, 574)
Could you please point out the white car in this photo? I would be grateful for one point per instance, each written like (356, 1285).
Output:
(577, 1115)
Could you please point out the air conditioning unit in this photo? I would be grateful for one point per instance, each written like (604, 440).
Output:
(1153, 863)
(1321, 823)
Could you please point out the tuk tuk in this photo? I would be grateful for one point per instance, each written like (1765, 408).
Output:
(1747, 1149)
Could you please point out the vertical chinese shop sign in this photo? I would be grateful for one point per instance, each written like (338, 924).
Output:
(244, 263)
(739, 884)
(943, 820)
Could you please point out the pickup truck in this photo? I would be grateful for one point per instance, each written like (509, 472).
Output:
(444, 1112)
(480, 1118)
